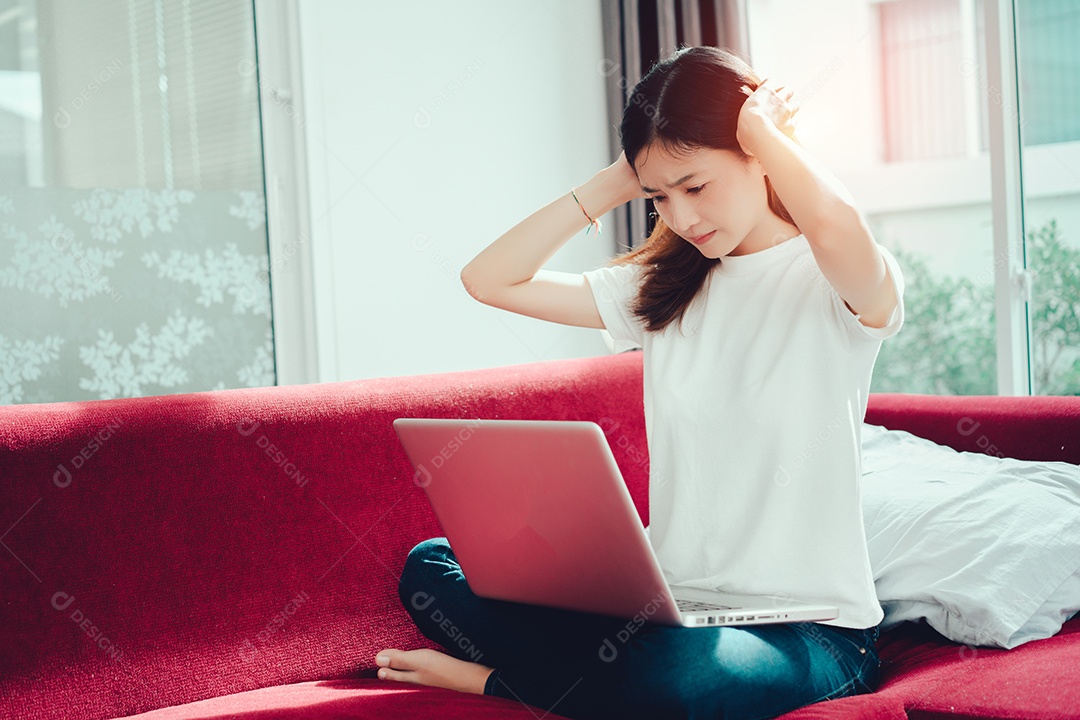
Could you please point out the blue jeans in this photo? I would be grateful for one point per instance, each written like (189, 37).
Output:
(582, 665)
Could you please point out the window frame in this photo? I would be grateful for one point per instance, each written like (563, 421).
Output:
(1012, 279)
(288, 212)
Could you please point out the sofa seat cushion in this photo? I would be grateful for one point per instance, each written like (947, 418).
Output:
(924, 676)
(937, 678)
(356, 699)
(871, 706)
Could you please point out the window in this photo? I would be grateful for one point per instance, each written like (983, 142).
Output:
(900, 99)
(1049, 101)
(133, 245)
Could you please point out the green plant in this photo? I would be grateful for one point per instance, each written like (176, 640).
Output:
(1055, 312)
(947, 343)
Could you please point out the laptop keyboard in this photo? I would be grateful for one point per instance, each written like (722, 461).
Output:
(694, 606)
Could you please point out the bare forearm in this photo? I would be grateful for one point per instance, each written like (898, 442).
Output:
(818, 202)
(522, 250)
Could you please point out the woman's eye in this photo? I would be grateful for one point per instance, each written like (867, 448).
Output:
(695, 190)
(658, 198)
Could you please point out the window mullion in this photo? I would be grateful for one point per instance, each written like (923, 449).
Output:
(1011, 308)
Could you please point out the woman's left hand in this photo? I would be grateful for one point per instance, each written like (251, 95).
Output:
(769, 104)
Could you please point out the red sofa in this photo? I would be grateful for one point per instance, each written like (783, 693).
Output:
(236, 553)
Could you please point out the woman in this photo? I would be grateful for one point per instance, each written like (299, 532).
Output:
(760, 301)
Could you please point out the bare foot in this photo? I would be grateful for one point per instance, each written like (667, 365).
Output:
(431, 667)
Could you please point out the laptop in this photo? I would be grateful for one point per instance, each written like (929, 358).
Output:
(536, 511)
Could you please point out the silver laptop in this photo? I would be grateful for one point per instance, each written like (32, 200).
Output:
(536, 511)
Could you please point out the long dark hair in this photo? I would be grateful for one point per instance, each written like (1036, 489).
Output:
(687, 101)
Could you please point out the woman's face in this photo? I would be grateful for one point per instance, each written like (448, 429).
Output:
(706, 191)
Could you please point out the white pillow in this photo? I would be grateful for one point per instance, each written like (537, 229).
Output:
(986, 549)
(1062, 604)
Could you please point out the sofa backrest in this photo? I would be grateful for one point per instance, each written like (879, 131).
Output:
(161, 550)
(1023, 427)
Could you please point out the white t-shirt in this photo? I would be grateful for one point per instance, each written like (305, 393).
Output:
(753, 415)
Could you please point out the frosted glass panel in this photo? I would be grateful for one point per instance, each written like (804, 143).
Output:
(133, 248)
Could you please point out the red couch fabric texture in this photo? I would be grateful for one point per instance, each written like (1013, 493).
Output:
(236, 553)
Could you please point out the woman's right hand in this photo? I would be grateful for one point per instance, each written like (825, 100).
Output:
(625, 178)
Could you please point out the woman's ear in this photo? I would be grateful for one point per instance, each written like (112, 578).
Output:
(756, 165)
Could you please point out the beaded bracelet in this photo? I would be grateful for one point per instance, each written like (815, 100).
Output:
(592, 223)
